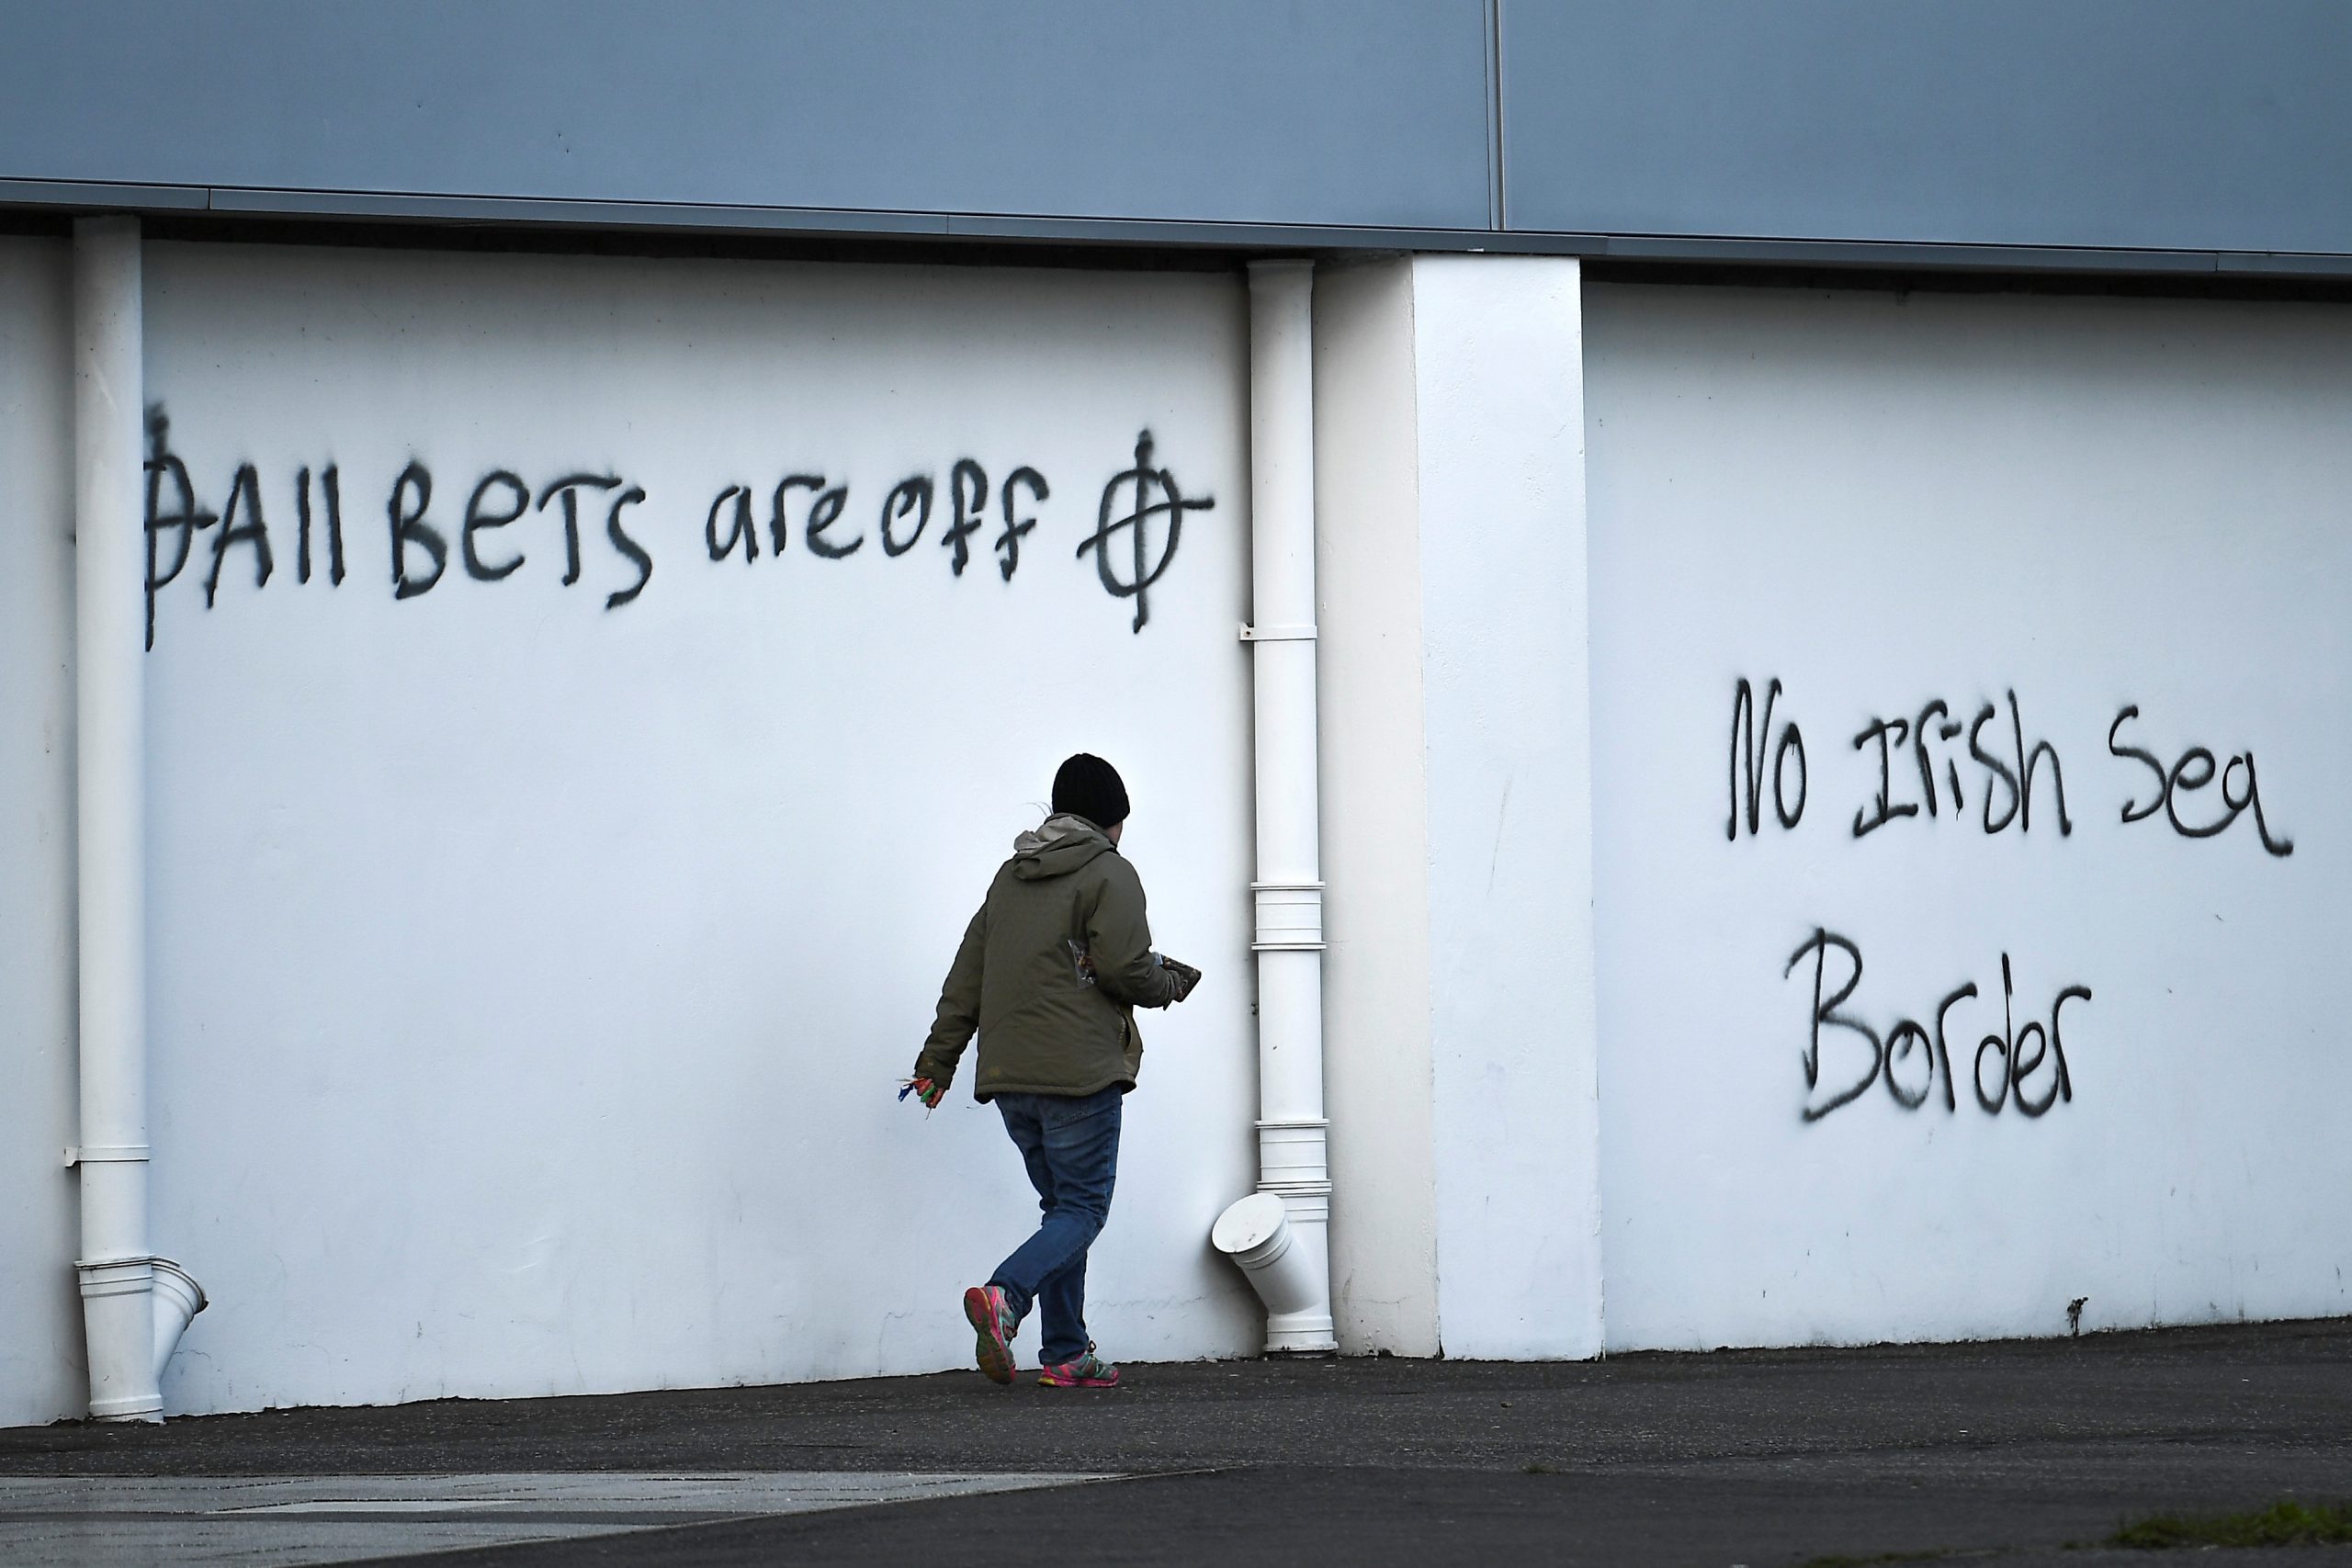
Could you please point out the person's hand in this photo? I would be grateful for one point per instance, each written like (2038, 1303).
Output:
(930, 1093)
(1184, 975)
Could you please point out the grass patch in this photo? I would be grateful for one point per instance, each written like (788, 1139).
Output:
(2284, 1523)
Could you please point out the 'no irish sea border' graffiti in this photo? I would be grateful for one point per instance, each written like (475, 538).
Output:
(1924, 765)
(1139, 522)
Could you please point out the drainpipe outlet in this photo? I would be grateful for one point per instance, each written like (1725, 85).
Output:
(177, 1299)
(1257, 1235)
(136, 1309)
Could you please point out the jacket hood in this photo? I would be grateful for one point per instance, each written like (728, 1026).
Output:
(1057, 847)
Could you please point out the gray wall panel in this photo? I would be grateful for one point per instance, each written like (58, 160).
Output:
(2191, 124)
(2057, 128)
(1301, 111)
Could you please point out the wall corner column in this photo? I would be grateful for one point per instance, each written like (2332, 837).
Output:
(1375, 838)
(1499, 362)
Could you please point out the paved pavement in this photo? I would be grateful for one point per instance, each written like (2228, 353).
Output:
(199, 1522)
(2000, 1453)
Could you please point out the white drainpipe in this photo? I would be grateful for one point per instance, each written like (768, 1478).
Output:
(134, 1305)
(1294, 1164)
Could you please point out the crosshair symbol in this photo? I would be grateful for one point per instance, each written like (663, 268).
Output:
(1146, 480)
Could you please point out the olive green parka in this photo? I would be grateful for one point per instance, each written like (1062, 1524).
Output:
(1050, 971)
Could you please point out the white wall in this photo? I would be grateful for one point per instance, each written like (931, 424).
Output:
(1496, 345)
(531, 978)
(1882, 500)
(1376, 812)
(42, 1370)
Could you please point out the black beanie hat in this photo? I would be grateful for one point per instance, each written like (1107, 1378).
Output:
(1088, 786)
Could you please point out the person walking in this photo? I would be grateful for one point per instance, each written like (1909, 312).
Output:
(1049, 974)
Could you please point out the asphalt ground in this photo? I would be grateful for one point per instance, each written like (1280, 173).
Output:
(2015, 1452)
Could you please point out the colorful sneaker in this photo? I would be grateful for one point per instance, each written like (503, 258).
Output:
(993, 1319)
(1088, 1370)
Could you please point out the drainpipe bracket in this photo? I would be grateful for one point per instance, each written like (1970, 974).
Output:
(1276, 634)
(103, 1154)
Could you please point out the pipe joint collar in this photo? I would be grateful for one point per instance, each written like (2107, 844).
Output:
(1290, 915)
(115, 1276)
(1294, 1156)
(1306, 1203)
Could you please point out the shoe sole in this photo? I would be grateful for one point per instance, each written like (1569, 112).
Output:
(993, 1353)
(1047, 1380)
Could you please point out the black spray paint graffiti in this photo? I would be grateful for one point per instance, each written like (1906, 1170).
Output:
(240, 521)
(420, 547)
(968, 495)
(1747, 763)
(330, 484)
(1888, 1057)
(2023, 1065)
(2017, 781)
(412, 494)
(1144, 479)
(2173, 783)
(2011, 772)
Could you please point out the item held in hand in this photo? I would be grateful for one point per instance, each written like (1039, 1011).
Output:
(1186, 976)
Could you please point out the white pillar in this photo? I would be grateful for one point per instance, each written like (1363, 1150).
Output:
(1506, 702)
(117, 1268)
(1292, 1131)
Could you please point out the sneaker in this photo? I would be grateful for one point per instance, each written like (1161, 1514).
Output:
(1088, 1370)
(993, 1319)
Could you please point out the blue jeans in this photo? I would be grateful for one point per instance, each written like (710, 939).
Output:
(1071, 1147)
